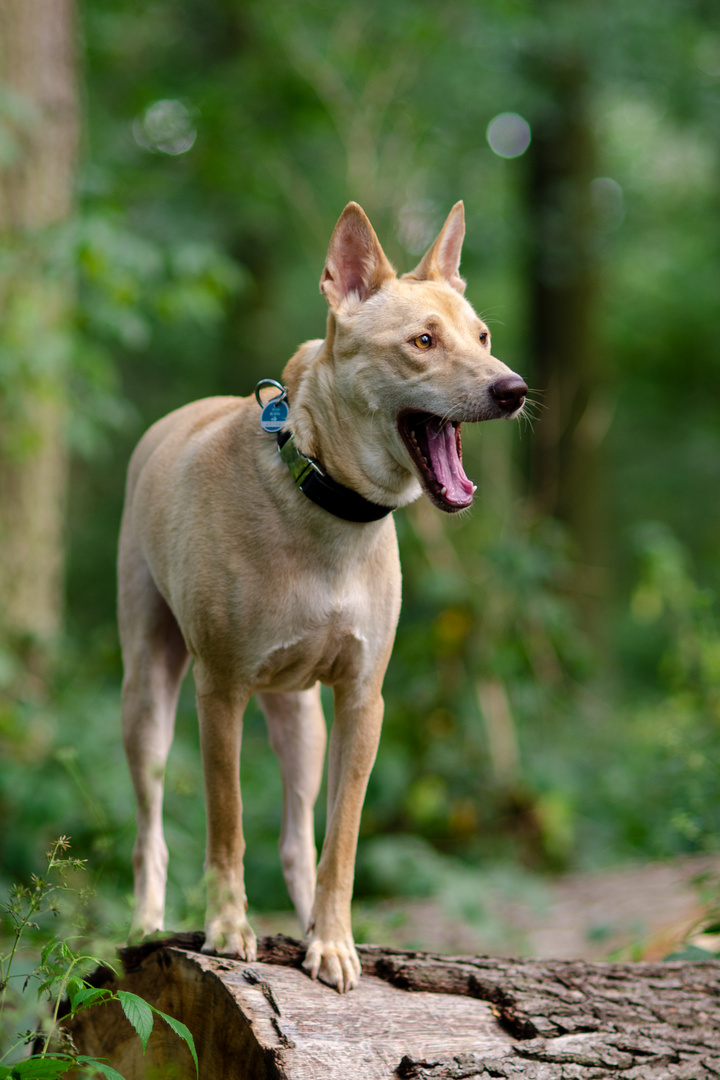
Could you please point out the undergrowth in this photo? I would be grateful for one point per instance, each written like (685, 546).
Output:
(55, 967)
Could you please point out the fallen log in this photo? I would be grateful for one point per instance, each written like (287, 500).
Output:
(415, 1016)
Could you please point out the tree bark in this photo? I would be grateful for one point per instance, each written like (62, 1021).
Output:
(463, 1017)
(40, 121)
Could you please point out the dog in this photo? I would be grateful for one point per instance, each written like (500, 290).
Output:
(271, 559)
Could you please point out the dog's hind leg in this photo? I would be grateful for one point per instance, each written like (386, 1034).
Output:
(296, 727)
(221, 705)
(155, 659)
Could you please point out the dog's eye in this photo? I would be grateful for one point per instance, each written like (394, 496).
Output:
(484, 337)
(423, 342)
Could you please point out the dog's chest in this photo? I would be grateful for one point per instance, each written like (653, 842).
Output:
(332, 651)
(331, 621)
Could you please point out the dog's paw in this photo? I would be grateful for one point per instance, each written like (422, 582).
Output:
(145, 927)
(138, 935)
(333, 962)
(230, 937)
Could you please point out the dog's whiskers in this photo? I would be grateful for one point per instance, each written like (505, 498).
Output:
(491, 317)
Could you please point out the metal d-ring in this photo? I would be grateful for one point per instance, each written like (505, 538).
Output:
(269, 382)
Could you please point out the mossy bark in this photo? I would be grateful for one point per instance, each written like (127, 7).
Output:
(38, 78)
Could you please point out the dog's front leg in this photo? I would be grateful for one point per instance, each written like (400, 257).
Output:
(227, 930)
(354, 738)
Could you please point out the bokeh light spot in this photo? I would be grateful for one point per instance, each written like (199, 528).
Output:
(509, 135)
(167, 127)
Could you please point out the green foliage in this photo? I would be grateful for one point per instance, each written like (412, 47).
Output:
(128, 280)
(667, 595)
(638, 759)
(58, 975)
(76, 293)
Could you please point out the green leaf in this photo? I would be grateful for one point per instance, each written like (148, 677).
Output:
(40, 1068)
(87, 996)
(73, 987)
(690, 952)
(138, 1013)
(101, 1067)
(184, 1032)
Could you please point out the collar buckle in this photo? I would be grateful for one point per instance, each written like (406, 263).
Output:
(300, 466)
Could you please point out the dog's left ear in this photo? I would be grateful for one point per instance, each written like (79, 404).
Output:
(355, 261)
(442, 260)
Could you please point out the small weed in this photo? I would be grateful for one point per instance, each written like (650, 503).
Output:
(58, 974)
(702, 939)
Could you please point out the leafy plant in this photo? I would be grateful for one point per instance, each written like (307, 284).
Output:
(701, 940)
(59, 976)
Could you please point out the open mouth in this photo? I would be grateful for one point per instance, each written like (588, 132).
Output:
(435, 447)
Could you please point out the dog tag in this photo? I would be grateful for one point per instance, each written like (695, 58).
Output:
(274, 415)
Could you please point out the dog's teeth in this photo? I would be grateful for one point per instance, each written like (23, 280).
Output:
(474, 488)
(443, 491)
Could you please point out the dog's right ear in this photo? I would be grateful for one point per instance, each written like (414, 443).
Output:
(355, 261)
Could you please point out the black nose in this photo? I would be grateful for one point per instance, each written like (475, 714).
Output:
(509, 392)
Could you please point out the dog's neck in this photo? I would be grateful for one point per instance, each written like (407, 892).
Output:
(323, 490)
(349, 437)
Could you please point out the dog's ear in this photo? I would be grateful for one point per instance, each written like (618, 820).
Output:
(442, 260)
(355, 261)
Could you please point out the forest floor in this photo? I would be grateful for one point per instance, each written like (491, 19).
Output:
(637, 911)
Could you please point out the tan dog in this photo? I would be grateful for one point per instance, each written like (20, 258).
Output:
(224, 558)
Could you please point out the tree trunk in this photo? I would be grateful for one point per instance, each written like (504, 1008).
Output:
(40, 128)
(465, 1017)
(567, 464)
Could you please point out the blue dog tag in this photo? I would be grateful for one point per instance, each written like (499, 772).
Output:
(274, 415)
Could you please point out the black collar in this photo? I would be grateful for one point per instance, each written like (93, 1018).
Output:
(321, 489)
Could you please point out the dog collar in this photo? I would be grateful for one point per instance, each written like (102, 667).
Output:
(321, 489)
(314, 483)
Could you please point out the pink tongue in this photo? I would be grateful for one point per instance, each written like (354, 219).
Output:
(446, 464)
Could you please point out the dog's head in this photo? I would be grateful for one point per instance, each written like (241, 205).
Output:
(412, 353)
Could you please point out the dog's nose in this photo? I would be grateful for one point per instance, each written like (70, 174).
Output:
(509, 392)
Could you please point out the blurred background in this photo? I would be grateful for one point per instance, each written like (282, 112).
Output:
(170, 174)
